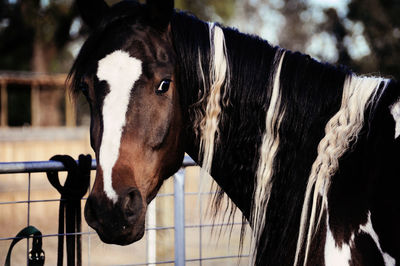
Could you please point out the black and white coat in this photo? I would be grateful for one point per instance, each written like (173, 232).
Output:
(309, 152)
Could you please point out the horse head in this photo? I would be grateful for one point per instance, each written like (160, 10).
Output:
(126, 71)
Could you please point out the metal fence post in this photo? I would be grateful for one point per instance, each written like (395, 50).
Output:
(151, 234)
(179, 215)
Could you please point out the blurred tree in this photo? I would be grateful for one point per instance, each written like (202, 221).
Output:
(279, 21)
(294, 34)
(334, 26)
(372, 24)
(208, 9)
(366, 37)
(15, 37)
(51, 25)
(34, 34)
(381, 22)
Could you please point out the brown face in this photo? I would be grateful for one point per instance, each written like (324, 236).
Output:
(136, 126)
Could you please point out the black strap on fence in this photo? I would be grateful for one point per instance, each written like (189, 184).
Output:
(36, 254)
(75, 187)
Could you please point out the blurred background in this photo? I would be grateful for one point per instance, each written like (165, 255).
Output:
(40, 38)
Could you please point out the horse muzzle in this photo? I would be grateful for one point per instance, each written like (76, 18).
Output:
(120, 223)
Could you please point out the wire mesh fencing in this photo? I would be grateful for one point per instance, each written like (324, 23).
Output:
(178, 231)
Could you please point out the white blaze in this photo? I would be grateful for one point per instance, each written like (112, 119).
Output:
(120, 71)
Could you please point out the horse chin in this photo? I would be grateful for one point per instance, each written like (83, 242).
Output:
(125, 237)
(119, 223)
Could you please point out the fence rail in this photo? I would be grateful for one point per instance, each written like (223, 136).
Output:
(44, 166)
(178, 227)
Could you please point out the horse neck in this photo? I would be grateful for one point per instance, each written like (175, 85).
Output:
(226, 100)
(291, 125)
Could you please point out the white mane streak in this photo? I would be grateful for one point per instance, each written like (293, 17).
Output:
(395, 111)
(218, 75)
(269, 147)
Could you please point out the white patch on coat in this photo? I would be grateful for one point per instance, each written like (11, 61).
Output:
(334, 254)
(120, 71)
(395, 111)
(369, 229)
(341, 256)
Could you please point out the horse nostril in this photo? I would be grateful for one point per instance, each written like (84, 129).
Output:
(90, 213)
(132, 204)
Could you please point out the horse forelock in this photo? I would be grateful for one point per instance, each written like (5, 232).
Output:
(121, 14)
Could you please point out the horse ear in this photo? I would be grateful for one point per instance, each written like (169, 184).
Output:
(160, 12)
(92, 11)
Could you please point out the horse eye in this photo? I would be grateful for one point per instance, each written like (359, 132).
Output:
(164, 86)
(84, 88)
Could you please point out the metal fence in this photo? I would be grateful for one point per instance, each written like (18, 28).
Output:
(179, 227)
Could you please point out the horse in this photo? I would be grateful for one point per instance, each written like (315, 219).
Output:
(306, 150)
